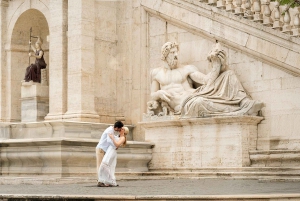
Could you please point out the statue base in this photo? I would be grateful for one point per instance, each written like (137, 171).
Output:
(201, 142)
(34, 101)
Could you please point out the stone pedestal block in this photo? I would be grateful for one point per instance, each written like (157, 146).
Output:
(201, 142)
(34, 102)
(66, 157)
(62, 149)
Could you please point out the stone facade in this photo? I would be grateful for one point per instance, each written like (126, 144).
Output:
(100, 54)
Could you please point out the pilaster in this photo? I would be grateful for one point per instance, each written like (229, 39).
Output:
(81, 61)
(3, 31)
(58, 59)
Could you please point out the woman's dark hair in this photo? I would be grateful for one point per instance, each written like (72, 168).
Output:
(118, 124)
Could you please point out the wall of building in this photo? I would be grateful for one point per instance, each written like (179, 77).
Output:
(264, 81)
(128, 39)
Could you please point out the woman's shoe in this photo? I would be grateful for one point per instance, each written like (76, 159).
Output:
(100, 184)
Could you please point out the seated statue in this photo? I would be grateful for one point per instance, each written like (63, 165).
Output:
(33, 72)
(221, 93)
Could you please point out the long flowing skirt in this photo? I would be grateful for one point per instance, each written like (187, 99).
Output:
(33, 73)
(107, 167)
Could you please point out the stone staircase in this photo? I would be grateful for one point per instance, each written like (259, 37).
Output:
(275, 158)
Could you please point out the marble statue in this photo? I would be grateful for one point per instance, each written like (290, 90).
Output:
(170, 84)
(159, 108)
(220, 92)
(33, 72)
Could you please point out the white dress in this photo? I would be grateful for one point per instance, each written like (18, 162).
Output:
(108, 166)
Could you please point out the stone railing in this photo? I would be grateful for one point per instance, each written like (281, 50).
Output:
(265, 12)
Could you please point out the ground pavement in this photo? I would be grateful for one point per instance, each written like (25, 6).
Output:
(167, 189)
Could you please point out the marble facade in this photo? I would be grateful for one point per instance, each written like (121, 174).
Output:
(100, 55)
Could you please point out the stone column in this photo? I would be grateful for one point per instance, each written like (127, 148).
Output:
(58, 59)
(3, 69)
(81, 61)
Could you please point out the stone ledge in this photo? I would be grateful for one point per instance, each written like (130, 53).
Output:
(66, 141)
(275, 158)
(50, 129)
(66, 157)
(244, 197)
(271, 174)
(201, 121)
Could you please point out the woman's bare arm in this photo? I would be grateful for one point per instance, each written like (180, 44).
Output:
(119, 142)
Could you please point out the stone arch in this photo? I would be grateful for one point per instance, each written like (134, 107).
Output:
(17, 51)
(22, 8)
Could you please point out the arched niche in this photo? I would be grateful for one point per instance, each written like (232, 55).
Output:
(17, 55)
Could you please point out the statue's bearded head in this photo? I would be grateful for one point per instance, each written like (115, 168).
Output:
(169, 53)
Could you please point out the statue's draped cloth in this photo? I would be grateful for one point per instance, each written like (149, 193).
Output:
(225, 96)
(33, 72)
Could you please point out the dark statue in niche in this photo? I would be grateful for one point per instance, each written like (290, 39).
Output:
(33, 71)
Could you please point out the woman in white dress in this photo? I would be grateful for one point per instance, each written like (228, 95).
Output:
(109, 162)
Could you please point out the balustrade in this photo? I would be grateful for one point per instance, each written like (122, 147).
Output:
(229, 6)
(277, 25)
(287, 20)
(221, 4)
(296, 27)
(268, 13)
(267, 20)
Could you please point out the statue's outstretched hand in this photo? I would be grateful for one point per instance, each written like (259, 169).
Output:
(30, 54)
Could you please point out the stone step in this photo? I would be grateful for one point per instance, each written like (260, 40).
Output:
(261, 173)
(275, 158)
(167, 189)
(247, 197)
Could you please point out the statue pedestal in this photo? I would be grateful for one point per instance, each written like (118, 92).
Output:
(34, 101)
(201, 142)
(61, 149)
